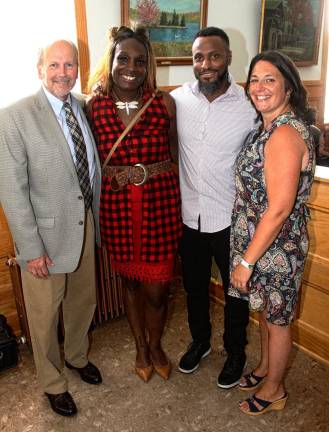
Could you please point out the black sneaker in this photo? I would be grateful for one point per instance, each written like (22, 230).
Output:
(191, 359)
(232, 371)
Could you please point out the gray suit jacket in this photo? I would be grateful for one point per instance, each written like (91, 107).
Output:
(39, 187)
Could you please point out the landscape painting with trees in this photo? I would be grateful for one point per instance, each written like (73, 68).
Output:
(171, 24)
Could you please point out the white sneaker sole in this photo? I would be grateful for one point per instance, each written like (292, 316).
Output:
(188, 371)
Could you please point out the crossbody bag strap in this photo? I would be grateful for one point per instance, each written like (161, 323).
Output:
(128, 128)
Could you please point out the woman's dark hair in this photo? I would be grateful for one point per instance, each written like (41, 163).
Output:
(102, 76)
(298, 97)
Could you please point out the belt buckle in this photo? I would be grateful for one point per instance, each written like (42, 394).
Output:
(145, 172)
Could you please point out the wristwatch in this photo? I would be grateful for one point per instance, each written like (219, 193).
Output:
(246, 264)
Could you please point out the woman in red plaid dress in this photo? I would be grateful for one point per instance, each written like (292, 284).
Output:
(140, 205)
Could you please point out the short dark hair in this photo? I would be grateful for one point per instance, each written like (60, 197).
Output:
(213, 31)
(298, 96)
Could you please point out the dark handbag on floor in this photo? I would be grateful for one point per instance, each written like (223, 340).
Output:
(8, 345)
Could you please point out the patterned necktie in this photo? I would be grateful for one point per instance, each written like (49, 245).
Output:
(81, 164)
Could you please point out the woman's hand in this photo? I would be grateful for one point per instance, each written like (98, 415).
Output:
(240, 277)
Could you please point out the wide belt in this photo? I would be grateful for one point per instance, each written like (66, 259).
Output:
(137, 174)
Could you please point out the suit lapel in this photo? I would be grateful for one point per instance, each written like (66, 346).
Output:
(54, 131)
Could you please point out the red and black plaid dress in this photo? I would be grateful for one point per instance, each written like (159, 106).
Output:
(140, 225)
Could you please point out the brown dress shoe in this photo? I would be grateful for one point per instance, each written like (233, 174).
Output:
(62, 403)
(89, 373)
(144, 373)
(163, 370)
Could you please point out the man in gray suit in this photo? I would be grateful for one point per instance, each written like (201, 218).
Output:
(49, 189)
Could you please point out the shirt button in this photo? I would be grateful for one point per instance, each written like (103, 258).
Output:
(80, 197)
(80, 222)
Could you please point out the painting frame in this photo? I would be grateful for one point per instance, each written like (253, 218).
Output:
(291, 33)
(179, 58)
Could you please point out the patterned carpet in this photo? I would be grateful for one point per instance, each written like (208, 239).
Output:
(186, 403)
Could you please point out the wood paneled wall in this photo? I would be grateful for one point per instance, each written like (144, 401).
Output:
(311, 330)
(316, 95)
(7, 300)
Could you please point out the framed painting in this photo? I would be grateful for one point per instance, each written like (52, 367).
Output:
(171, 25)
(292, 27)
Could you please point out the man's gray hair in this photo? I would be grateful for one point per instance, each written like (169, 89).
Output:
(41, 53)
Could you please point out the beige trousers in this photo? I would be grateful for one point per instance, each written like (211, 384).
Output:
(77, 293)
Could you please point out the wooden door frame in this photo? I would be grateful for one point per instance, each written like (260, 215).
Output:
(83, 47)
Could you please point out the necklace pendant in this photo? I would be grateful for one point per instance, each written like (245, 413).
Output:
(127, 105)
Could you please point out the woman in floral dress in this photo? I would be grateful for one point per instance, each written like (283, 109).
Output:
(269, 241)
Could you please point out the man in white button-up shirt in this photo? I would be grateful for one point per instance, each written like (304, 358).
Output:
(214, 118)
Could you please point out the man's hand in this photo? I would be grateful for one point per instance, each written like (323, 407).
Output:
(38, 267)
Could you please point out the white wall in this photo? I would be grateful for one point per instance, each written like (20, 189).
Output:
(26, 26)
(239, 18)
(101, 15)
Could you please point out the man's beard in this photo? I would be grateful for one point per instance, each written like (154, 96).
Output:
(208, 88)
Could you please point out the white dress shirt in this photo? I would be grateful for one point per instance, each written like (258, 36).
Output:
(210, 135)
(57, 106)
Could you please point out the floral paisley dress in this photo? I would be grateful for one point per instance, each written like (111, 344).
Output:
(275, 281)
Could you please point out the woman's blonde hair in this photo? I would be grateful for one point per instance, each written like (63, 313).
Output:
(101, 79)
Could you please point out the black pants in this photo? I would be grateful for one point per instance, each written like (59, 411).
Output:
(197, 250)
